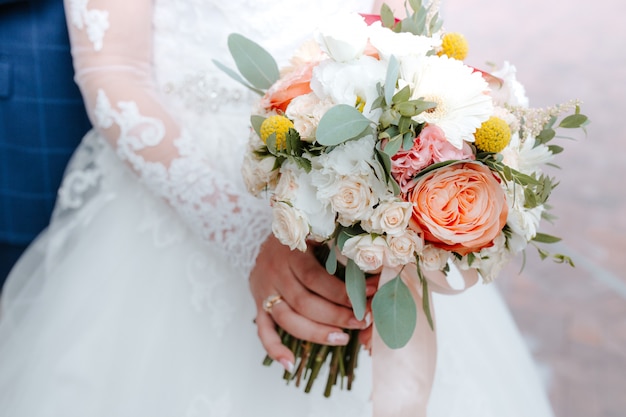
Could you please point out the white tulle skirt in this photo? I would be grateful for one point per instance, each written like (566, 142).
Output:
(117, 310)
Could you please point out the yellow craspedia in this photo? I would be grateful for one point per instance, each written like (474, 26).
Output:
(454, 45)
(493, 135)
(279, 125)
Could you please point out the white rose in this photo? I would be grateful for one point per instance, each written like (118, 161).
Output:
(366, 251)
(390, 217)
(433, 258)
(306, 111)
(258, 173)
(290, 226)
(353, 200)
(402, 248)
(343, 37)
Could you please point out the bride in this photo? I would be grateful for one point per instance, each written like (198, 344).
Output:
(135, 301)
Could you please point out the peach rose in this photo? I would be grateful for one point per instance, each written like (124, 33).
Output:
(460, 207)
(293, 84)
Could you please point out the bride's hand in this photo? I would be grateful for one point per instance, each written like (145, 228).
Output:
(303, 299)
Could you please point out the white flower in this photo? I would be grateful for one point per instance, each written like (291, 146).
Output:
(525, 156)
(258, 173)
(290, 226)
(343, 37)
(433, 258)
(388, 42)
(493, 259)
(390, 217)
(352, 198)
(522, 221)
(460, 94)
(306, 111)
(350, 83)
(295, 187)
(511, 92)
(402, 248)
(366, 251)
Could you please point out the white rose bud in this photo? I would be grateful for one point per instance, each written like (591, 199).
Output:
(343, 37)
(433, 258)
(402, 248)
(391, 217)
(290, 226)
(366, 251)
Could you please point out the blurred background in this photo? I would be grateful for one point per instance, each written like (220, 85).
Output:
(574, 319)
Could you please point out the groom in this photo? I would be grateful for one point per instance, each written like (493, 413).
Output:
(42, 119)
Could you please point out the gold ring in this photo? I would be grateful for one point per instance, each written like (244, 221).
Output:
(271, 301)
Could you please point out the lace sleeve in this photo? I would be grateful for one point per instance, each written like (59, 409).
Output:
(112, 51)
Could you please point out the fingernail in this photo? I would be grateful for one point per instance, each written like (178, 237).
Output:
(287, 365)
(354, 323)
(338, 338)
(368, 319)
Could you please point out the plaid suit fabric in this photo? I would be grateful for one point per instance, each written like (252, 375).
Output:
(42, 118)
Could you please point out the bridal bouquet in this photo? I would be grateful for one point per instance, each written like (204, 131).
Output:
(379, 142)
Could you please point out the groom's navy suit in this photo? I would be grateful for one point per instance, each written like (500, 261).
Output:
(42, 118)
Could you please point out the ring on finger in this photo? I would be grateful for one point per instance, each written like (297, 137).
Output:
(271, 301)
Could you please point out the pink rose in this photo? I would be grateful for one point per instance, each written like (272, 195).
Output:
(430, 147)
(460, 207)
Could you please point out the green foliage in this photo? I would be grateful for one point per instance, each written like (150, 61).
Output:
(395, 313)
(339, 124)
(355, 286)
(253, 62)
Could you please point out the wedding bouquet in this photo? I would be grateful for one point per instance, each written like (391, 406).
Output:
(379, 142)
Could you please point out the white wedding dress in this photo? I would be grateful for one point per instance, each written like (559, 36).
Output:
(134, 302)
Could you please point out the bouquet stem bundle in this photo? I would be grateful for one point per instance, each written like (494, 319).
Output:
(310, 357)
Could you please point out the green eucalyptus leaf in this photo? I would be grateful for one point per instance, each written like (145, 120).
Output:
(573, 121)
(253, 62)
(544, 238)
(555, 149)
(355, 286)
(546, 135)
(393, 69)
(271, 144)
(256, 121)
(395, 313)
(402, 95)
(386, 16)
(339, 124)
(393, 146)
(331, 261)
(407, 141)
(235, 76)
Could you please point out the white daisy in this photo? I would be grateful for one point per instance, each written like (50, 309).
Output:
(460, 93)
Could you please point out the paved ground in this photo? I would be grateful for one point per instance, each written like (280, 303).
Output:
(574, 319)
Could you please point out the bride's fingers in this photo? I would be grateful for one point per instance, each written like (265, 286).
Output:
(319, 309)
(271, 342)
(303, 328)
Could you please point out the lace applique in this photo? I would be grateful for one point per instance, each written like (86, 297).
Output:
(204, 198)
(95, 21)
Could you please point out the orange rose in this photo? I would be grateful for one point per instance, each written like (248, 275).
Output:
(295, 83)
(460, 207)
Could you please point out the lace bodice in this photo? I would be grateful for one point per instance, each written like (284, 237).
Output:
(153, 93)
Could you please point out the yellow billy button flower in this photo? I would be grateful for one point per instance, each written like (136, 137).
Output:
(454, 45)
(279, 125)
(493, 135)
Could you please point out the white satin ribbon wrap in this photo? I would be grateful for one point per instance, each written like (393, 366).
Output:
(403, 378)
